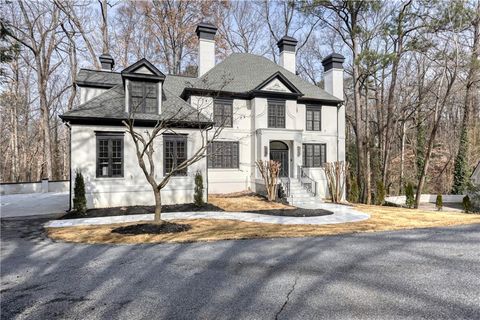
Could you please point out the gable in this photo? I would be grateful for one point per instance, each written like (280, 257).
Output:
(275, 85)
(143, 69)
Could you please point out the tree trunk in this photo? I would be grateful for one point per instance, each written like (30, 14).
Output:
(158, 206)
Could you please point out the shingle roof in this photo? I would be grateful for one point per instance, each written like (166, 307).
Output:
(111, 105)
(238, 73)
(98, 78)
(243, 72)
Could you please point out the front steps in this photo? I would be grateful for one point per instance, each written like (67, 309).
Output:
(300, 197)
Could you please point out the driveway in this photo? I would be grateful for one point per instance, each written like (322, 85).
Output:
(22, 205)
(430, 273)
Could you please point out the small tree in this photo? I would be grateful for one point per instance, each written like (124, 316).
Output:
(439, 202)
(198, 196)
(336, 172)
(409, 195)
(79, 199)
(380, 196)
(270, 170)
(467, 204)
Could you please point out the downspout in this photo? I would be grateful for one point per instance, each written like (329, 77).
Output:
(69, 166)
(206, 167)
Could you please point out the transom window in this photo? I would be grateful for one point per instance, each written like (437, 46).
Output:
(222, 112)
(174, 153)
(314, 155)
(143, 96)
(276, 114)
(223, 154)
(313, 119)
(109, 154)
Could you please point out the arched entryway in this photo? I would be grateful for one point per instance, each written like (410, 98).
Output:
(279, 152)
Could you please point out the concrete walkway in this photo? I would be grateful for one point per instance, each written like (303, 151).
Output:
(33, 204)
(342, 214)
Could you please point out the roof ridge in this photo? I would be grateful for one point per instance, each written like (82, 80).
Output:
(105, 71)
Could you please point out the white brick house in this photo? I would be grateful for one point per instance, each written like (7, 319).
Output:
(268, 112)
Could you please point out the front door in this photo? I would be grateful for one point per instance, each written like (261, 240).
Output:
(282, 157)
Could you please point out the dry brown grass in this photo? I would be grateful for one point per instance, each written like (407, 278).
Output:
(249, 202)
(382, 219)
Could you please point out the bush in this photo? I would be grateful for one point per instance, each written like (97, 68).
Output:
(198, 196)
(409, 195)
(380, 196)
(353, 193)
(79, 199)
(467, 204)
(439, 202)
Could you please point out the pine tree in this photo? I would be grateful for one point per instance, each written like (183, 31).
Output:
(79, 199)
(409, 195)
(198, 196)
(461, 174)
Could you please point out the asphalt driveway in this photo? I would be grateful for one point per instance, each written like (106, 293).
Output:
(430, 274)
(32, 204)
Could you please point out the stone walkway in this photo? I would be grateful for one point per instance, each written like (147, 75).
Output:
(342, 214)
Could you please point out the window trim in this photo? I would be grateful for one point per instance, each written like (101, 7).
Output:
(109, 136)
(304, 155)
(276, 102)
(313, 109)
(142, 107)
(225, 103)
(175, 138)
(211, 160)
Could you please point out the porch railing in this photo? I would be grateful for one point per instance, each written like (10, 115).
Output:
(307, 182)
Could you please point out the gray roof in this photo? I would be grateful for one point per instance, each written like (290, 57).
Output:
(111, 105)
(238, 73)
(243, 72)
(98, 77)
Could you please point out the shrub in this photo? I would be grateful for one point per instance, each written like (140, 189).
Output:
(380, 196)
(467, 204)
(79, 199)
(409, 195)
(439, 202)
(353, 193)
(198, 196)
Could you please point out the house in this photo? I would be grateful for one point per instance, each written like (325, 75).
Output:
(267, 112)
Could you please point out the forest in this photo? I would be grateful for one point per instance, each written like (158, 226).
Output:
(412, 75)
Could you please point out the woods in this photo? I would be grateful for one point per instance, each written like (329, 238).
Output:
(412, 76)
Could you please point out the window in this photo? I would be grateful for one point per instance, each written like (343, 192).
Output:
(143, 97)
(314, 155)
(223, 154)
(109, 154)
(276, 114)
(313, 116)
(222, 112)
(174, 153)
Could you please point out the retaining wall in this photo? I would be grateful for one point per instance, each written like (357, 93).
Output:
(424, 198)
(34, 187)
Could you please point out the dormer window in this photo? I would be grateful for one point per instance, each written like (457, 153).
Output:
(143, 96)
(144, 82)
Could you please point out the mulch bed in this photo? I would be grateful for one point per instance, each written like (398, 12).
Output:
(123, 211)
(297, 212)
(186, 207)
(152, 228)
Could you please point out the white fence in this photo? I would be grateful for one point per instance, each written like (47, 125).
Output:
(425, 198)
(34, 187)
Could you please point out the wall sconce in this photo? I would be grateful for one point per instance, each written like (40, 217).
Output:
(265, 151)
(299, 151)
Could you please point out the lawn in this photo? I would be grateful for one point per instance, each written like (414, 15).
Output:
(382, 219)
